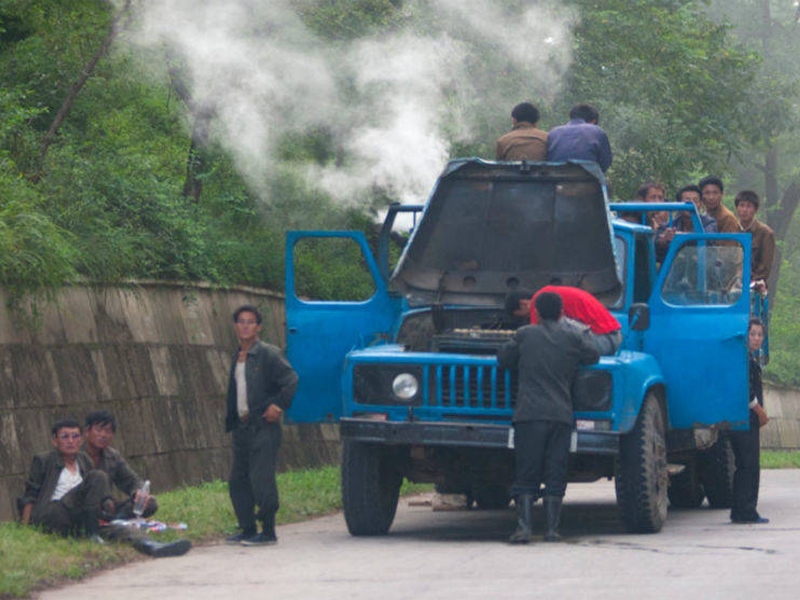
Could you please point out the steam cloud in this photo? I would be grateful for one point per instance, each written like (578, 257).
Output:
(393, 104)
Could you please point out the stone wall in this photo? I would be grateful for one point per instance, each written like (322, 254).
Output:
(783, 430)
(157, 356)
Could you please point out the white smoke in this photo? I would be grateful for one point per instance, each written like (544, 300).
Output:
(392, 103)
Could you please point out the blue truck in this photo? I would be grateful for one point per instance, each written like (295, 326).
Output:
(406, 363)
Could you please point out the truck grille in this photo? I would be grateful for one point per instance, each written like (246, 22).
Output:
(462, 386)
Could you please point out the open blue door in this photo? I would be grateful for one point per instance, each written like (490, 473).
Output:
(699, 312)
(336, 300)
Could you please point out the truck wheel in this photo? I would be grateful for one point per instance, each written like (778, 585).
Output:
(491, 496)
(370, 489)
(716, 472)
(685, 489)
(641, 475)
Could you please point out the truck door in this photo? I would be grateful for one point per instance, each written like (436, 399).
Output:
(699, 309)
(336, 300)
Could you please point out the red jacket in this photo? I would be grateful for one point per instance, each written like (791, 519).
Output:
(581, 306)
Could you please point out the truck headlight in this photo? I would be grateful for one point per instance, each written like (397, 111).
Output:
(405, 386)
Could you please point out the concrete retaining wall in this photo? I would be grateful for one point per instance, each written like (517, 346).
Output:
(157, 356)
(783, 430)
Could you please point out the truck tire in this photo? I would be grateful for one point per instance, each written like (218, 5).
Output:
(685, 489)
(716, 473)
(491, 496)
(370, 489)
(641, 476)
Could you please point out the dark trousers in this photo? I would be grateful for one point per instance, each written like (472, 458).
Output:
(746, 450)
(67, 515)
(252, 481)
(541, 452)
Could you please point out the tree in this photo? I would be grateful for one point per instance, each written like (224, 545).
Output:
(668, 82)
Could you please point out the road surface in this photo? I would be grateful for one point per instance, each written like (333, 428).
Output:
(463, 555)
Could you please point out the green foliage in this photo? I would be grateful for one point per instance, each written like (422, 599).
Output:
(668, 83)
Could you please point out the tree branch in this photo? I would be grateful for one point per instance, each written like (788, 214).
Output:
(87, 70)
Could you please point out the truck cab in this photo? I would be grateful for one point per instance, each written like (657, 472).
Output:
(407, 366)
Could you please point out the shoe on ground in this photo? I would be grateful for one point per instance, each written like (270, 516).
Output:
(757, 520)
(239, 537)
(260, 539)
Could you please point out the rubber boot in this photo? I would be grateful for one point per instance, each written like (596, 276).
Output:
(161, 550)
(522, 535)
(552, 518)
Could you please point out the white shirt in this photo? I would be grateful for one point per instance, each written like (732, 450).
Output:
(241, 391)
(66, 481)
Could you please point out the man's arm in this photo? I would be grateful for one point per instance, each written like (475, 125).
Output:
(33, 488)
(508, 354)
(764, 264)
(605, 157)
(281, 372)
(124, 477)
(587, 351)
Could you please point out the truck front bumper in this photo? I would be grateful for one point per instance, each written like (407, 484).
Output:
(475, 435)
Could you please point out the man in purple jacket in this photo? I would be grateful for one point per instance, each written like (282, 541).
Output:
(581, 138)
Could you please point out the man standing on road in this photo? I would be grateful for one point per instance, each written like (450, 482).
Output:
(261, 387)
(547, 357)
(524, 141)
(100, 429)
(64, 493)
(712, 188)
(582, 138)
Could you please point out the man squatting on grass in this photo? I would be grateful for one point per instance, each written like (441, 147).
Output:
(547, 356)
(262, 384)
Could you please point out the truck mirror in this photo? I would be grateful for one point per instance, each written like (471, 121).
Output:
(639, 316)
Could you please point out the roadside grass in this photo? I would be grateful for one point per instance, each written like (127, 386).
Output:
(31, 560)
(780, 459)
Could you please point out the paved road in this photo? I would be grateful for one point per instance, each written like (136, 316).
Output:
(463, 555)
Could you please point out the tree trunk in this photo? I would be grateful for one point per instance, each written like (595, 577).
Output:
(87, 70)
(195, 160)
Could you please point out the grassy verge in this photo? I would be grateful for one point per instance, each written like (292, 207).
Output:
(780, 459)
(31, 560)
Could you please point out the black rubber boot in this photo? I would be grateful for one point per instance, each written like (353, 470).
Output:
(161, 550)
(552, 518)
(91, 526)
(522, 535)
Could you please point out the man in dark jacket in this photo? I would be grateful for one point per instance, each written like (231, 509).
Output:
(63, 493)
(547, 357)
(262, 384)
(100, 430)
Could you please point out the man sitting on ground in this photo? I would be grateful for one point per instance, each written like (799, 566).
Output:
(100, 429)
(63, 493)
(524, 141)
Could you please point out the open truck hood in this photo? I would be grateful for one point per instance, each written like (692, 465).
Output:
(490, 228)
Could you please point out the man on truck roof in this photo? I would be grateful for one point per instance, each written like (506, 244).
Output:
(582, 138)
(525, 141)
